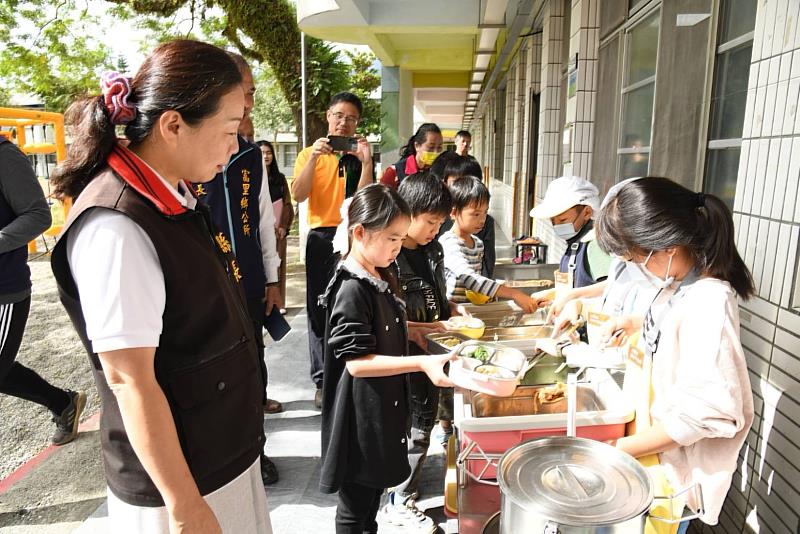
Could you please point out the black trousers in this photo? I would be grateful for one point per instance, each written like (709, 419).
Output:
(357, 510)
(255, 307)
(424, 401)
(320, 264)
(16, 379)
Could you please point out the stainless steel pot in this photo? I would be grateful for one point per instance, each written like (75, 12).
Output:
(562, 485)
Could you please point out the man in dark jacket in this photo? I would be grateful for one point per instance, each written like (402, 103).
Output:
(24, 214)
(242, 212)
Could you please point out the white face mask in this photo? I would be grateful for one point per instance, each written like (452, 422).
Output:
(652, 279)
(565, 231)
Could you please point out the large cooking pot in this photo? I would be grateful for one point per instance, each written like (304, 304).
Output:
(563, 485)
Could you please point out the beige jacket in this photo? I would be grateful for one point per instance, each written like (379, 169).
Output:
(701, 390)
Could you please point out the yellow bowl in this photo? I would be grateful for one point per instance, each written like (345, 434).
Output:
(469, 326)
(477, 298)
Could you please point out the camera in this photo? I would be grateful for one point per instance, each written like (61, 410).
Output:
(341, 143)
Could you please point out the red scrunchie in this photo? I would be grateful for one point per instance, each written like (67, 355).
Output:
(116, 88)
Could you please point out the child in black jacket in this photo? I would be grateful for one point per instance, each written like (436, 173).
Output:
(364, 402)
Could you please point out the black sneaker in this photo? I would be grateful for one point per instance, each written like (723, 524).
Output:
(269, 473)
(67, 422)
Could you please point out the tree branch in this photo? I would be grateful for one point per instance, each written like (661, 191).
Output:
(247, 52)
(48, 23)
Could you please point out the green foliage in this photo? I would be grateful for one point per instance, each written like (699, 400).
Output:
(364, 80)
(271, 111)
(53, 55)
(64, 59)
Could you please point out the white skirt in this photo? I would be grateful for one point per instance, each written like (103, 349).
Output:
(240, 507)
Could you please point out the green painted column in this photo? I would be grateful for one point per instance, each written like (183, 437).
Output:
(390, 115)
(397, 100)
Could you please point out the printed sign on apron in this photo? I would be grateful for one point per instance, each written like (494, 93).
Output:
(565, 281)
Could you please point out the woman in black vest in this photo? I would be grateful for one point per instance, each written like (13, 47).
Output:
(153, 291)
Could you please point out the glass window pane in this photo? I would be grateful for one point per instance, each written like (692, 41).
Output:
(721, 171)
(737, 17)
(642, 48)
(637, 117)
(631, 165)
(730, 93)
(633, 4)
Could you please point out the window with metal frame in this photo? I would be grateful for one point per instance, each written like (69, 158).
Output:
(638, 94)
(289, 154)
(731, 72)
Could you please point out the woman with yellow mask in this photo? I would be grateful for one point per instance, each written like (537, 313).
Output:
(418, 155)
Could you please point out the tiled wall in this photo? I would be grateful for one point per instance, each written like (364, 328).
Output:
(549, 157)
(584, 30)
(766, 493)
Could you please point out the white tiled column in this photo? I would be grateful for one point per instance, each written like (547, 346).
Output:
(549, 161)
(584, 30)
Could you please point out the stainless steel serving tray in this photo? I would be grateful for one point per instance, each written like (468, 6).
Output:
(435, 345)
(525, 401)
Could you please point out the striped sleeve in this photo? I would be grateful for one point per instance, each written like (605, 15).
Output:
(462, 266)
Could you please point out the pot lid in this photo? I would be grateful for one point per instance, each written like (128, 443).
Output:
(575, 481)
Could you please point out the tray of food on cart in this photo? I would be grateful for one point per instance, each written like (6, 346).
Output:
(490, 368)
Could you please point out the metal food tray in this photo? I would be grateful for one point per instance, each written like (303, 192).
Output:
(517, 332)
(525, 401)
(498, 318)
(434, 345)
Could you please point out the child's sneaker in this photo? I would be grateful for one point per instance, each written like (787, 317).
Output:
(407, 515)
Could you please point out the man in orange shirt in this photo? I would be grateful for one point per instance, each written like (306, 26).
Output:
(325, 178)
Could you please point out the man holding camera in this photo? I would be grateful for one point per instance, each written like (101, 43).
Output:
(326, 173)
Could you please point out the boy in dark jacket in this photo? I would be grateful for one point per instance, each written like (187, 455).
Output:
(421, 267)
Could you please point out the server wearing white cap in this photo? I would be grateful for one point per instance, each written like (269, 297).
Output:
(569, 205)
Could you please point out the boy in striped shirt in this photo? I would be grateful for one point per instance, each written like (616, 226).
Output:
(463, 251)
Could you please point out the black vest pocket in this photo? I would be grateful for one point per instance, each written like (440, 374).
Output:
(217, 409)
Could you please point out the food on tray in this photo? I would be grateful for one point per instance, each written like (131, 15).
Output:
(450, 342)
(494, 371)
(479, 352)
(553, 393)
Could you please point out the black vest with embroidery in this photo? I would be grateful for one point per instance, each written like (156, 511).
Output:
(232, 196)
(206, 362)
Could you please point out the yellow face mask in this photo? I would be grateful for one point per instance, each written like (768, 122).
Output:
(427, 158)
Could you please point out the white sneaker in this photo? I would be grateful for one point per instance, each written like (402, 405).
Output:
(407, 515)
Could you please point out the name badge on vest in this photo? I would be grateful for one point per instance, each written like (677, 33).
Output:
(563, 281)
(594, 326)
(636, 356)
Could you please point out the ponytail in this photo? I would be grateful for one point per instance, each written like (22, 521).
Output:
(409, 149)
(656, 214)
(719, 256)
(94, 136)
(419, 138)
(186, 76)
